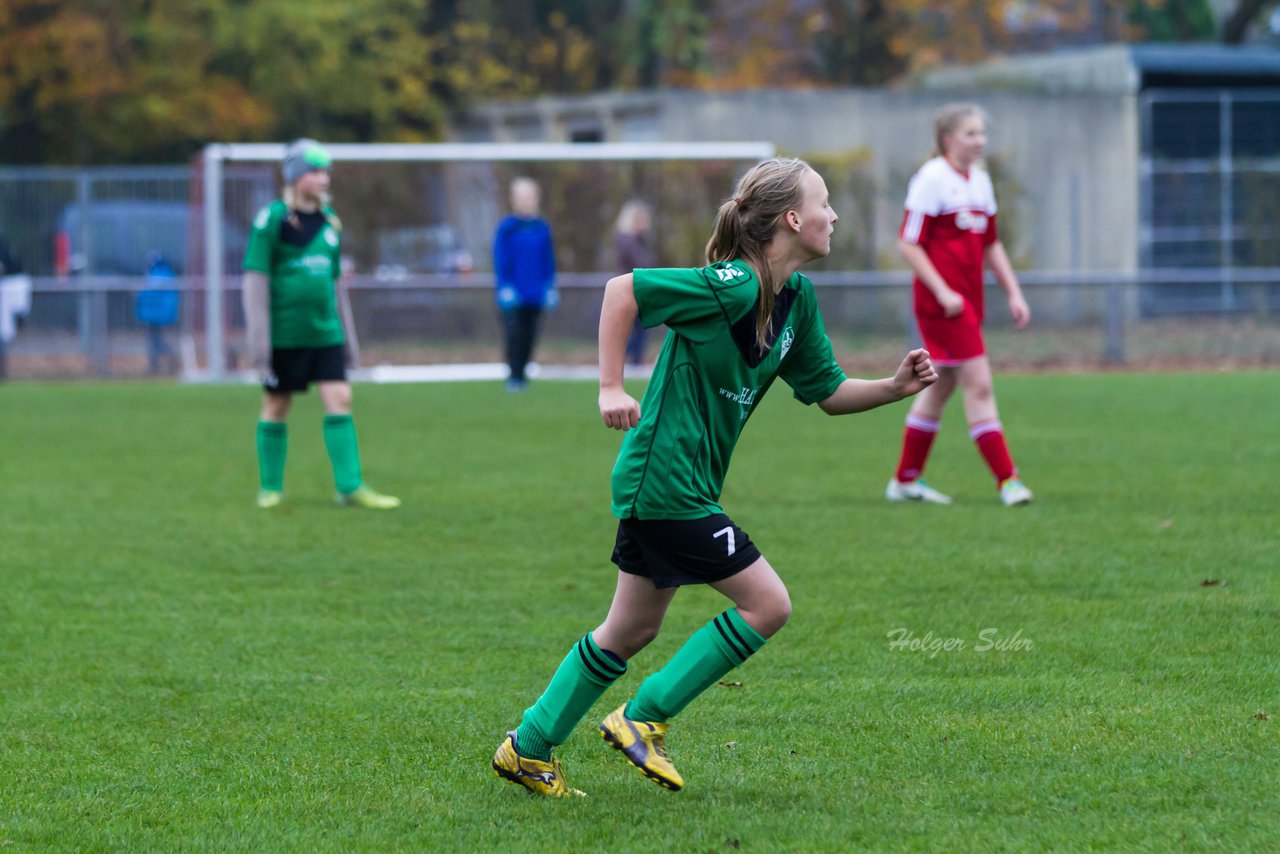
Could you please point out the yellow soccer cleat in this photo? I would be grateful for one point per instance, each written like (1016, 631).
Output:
(268, 498)
(367, 498)
(541, 778)
(644, 745)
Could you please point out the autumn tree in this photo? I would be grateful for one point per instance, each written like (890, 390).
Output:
(112, 80)
(854, 42)
(1241, 18)
(129, 80)
(116, 80)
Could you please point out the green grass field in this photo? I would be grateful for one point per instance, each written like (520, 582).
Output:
(182, 671)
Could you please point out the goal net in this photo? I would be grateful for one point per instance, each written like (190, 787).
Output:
(418, 224)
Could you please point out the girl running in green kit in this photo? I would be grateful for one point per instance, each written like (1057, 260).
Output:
(299, 325)
(734, 326)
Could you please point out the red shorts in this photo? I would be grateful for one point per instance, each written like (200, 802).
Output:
(951, 340)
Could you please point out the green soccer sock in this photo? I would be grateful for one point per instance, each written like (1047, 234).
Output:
(584, 675)
(712, 651)
(344, 452)
(273, 443)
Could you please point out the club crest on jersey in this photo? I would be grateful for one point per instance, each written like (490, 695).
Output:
(330, 236)
(785, 342)
(974, 221)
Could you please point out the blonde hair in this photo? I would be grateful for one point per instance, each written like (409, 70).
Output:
(629, 217)
(747, 222)
(524, 181)
(290, 197)
(949, 118)
(523, 185)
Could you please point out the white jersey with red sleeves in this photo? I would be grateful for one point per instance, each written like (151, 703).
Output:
(952, 216)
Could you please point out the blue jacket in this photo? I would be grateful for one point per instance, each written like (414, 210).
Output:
(158, 301)
(524, 261)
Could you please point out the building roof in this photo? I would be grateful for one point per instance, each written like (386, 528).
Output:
(1118, 69)
(1206, 65)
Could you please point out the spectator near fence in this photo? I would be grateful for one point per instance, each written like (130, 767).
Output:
(635, 250)
(524, 273)
(949, 236)
(157, 308)
(15, 299)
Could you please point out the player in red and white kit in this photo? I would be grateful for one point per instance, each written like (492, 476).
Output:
(948, 237)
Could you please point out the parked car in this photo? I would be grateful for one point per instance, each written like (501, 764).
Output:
(122, 235)
(422, 249)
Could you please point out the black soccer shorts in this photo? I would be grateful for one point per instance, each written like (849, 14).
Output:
(295, 368)
(672, 552)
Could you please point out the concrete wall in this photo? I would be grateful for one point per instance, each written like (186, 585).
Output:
(1073, 157)
(1108, 69)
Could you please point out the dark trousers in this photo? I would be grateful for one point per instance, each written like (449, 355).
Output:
(158, 348)
(635, 344)
(522, 333)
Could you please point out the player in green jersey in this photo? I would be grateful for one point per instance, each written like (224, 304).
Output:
(734, 326)
(299, 325)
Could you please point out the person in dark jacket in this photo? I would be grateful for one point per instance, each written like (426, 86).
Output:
(635, 250)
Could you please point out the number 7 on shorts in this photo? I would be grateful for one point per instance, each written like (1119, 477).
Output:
(727, 532)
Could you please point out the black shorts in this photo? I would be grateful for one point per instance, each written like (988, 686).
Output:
(295, 368)
(672, 552)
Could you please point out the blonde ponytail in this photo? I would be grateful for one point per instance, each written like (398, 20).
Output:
(746, 223)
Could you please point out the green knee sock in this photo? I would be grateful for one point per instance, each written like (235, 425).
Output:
(585, 674)
(709, 654)
(273, 442)
(344, 453)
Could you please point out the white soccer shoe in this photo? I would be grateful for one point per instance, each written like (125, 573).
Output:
(915, 490)
(1014, 493)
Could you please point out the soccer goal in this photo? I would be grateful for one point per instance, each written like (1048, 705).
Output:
(418, 224)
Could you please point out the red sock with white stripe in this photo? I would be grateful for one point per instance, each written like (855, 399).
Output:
(989, 437)
(916, 442)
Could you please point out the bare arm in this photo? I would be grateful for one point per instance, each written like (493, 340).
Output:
(617, 317)
(348, 325)
(998, 260)
(255, 295)
(952, 303)
(914, 374)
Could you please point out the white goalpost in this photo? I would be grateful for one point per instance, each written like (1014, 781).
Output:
(218, 156)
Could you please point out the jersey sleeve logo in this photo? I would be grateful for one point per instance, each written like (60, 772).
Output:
(728, 274)
(264, 216)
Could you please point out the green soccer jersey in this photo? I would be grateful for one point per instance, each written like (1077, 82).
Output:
(709, 378)
(303, 273)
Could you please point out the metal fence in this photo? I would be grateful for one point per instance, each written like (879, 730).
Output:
(1210, 195)
(1080, 321)
(1206, 288)
(87, 237)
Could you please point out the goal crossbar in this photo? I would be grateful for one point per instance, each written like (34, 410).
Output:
(504, 151)
(216, 154)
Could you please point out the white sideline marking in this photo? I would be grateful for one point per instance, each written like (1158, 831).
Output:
(446, 373)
